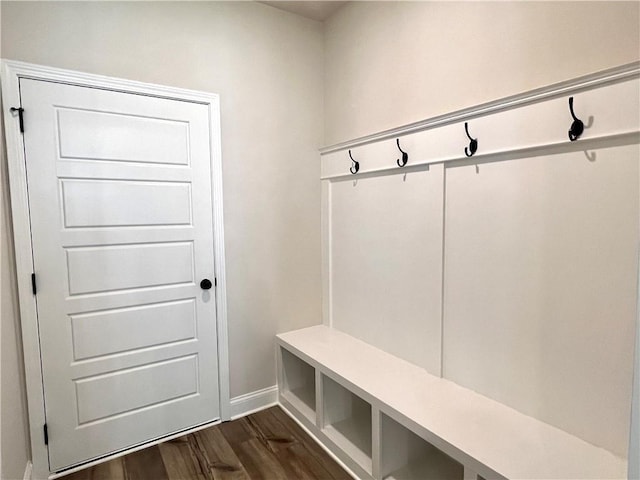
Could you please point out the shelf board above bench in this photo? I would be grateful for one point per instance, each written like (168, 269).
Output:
(480, 433)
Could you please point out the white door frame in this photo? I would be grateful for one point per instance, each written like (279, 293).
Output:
(12, 72)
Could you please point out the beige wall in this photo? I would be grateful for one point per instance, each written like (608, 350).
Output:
(267, 67)
(392, 63)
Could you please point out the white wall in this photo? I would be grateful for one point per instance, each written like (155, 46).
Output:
(267, 67)
(392, 63)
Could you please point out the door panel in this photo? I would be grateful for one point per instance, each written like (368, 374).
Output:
(118, 267)
(120, 203)
(110, 136)
(121, 217)
(97, 334)
(144, 386)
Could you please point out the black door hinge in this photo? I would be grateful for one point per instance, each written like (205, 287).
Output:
(33, 283)
(20, 111)
(215, 282)
(46, 434)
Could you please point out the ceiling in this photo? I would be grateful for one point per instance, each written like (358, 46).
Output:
(315, 10)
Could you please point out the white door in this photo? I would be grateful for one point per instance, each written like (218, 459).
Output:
(121, 216)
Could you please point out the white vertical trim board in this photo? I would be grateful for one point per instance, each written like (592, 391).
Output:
(12, 71)
(325, 223)
(1, 239)
(633, 470)
(219, 258)
(634, 433)
(252, 402)
(27, 471)
(24, 267)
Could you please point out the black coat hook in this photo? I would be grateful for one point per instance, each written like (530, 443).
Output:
(356, 165)
(577, 127)
(405, 155)
(473, 144)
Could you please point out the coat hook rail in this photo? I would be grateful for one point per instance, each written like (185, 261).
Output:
(577, 127)
(473, 142)
(356, 165)
(405, 155)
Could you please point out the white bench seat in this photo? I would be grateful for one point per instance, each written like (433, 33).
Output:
(485, 436)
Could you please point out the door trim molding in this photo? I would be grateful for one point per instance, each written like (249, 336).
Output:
(12, 72)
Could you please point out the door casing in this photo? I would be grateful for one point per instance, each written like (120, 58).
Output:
(12, 72)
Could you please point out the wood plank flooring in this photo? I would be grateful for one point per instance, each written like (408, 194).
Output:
(267, 445)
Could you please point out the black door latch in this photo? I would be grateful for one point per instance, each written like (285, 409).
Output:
(20, 111)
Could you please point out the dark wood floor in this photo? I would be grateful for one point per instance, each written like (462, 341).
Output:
(266, 445)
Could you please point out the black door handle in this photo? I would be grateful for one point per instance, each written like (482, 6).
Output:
(206, 284)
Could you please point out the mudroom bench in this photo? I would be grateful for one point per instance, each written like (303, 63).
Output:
(386, 418)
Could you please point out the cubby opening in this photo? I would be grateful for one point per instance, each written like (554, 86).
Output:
(299, 384)
(347, 422)
(406, 456)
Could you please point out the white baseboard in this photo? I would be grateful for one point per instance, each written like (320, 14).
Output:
(27, 471)
(253, 402)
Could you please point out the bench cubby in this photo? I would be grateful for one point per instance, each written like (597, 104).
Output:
(347, 422)
(298, 384)
(406, 456)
